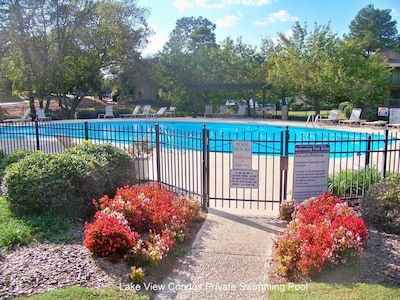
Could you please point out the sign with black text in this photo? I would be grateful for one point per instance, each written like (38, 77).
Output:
(310, 171)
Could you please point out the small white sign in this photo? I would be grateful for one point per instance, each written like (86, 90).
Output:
(242, 155)
(383, 111)
(244, 179)
(310, 171)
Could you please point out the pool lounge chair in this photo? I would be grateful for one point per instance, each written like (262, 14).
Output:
(146, 111)
(332, 118)
(133, 114)
(378, 124)
(159, 113)
(354, 118)
(170, 112)
(242, 110)
(108, 114)
(208, 110)
(41, 115)
(223, 111)
(24, 118)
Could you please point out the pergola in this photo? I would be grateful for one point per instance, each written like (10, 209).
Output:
(248, 86)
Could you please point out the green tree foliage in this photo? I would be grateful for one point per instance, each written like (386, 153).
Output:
(190, 34)
(59, 46)
(374, 29)
(318, 65)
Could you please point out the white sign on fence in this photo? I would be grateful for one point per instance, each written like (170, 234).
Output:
(241, 174)
(242, 155)
(310, 171)
(244, 179)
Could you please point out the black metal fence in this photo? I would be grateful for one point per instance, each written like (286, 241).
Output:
(200, 162)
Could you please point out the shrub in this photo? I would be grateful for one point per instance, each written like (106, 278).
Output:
(109, 235)
(381, 205)
(324, 231)
(353, 183)
(160, 216)
(8, 159)
(150, 207)
(114, 167)
(65, 184)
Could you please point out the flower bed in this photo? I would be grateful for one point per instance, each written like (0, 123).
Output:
(323, 231)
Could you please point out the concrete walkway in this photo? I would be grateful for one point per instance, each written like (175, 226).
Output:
(229, 259)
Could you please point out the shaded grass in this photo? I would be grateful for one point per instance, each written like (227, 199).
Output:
(323, 291)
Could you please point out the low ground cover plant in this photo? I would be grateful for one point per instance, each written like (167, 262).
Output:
(141, 224)
(324, 231)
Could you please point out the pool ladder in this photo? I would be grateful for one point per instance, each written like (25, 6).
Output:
(310, 120)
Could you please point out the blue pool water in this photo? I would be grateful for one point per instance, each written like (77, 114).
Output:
(266, 137)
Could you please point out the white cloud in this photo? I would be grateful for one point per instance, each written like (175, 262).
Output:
(227, 3)
(279, 16)
(228, 21)
(183, 4)
(156, 42)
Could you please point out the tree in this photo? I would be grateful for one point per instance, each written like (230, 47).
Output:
(374, 29)
(190, 34)
(59, 46)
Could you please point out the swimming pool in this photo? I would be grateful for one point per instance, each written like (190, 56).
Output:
(268, 139)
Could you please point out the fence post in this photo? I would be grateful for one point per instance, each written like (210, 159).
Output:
(385, 152)
(86, 130)
(284, 165)
(158, 163)
(206, 164)
(37, 134)
(368, 152)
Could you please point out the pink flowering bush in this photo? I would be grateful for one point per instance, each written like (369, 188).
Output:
(323, 231)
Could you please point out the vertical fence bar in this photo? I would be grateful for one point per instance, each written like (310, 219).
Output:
(206, 167)
(37, 134)
(385, 152)
(368, 152)
(158, 163)
(86, 126)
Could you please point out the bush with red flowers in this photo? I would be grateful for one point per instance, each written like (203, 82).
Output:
(108, 235)
(323, 231)
(154, 217)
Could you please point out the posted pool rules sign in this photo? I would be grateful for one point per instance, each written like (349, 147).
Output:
(241, 174)
(310, 171)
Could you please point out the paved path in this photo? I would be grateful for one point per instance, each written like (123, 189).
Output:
(229, 258)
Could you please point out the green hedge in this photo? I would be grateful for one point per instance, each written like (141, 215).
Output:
(66, 183)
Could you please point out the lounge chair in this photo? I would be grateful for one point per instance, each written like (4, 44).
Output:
(108, 114)
(170, 112)
(159, 113)
(354, 118)
(242, 110)
(146, 111)
(374, 124)
(41, 115)
(332, 118)
(208, 110)
(223, 111)
(133, 114)
(24, 118)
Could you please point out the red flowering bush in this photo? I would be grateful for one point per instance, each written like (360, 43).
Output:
(324, 230)
(108, 235)
(159, 215)
(150, 207)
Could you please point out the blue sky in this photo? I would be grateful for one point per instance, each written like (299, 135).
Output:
(254, 20)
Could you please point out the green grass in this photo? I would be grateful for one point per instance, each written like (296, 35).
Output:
(84, 293)
(323, 291)
(12, 230)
